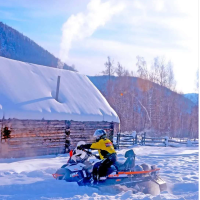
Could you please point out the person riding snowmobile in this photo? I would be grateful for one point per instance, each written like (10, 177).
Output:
(106, 151)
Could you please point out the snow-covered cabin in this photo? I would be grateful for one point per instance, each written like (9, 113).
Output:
(33, 122)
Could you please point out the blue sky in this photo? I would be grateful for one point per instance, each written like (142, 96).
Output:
(84, 33)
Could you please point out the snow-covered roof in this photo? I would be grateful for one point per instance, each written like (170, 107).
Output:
(27, 91)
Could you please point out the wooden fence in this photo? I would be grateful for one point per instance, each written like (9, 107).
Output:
(128, 140)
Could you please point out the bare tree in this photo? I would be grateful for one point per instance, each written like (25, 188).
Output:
(171, 83)
(109, 68)
(119, 70)
(159, 71)
(142, 67)
(146, 86)
(126, 72)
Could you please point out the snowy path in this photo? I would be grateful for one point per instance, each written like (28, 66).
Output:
(30, 178)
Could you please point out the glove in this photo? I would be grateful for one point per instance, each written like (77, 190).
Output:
(80, 147)
(98, 157)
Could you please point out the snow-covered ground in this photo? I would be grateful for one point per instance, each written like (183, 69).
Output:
(31, 178)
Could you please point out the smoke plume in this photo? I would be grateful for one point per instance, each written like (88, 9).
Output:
(83, 25)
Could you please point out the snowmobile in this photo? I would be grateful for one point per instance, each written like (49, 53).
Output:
(140, 178)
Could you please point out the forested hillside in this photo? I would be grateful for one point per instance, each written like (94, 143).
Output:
(16, 46)
(149, 102)
(146, 106)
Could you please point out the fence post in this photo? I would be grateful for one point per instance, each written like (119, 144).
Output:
(166, 141)
(118, 140)
(143, 138)
(136, 139)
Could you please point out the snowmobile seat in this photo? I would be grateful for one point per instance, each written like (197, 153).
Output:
(128, 164)
(130, 154)
(119, 165)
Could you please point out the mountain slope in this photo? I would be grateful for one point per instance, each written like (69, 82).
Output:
(16, 46)
(146, 106)
(101, 83)
(194, 97)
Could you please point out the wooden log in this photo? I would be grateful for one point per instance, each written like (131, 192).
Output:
(35, 126)
(24, 145)
(37, 135)
(154, 140)
(81, 137)
(173, 141)
(11, 148)
(90, 125)
(32, 132)
(24, 122)
(81, 133)
(89, 122)
(19, 121)
(33, 147)
(35, 141)
(151, 138)
(38, 129)
(31, 136)
(20, 142)
(146, 141)
(126, 136)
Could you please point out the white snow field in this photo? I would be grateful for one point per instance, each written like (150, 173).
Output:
(27, 91)
(31, 178)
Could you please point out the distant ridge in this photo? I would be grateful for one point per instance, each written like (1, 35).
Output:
(101, 83)
(15, 45)
(194, 97)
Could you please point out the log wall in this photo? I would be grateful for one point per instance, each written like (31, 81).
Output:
(43, 137)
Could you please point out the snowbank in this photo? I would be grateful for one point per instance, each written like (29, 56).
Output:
(31, 178)
(27, 91)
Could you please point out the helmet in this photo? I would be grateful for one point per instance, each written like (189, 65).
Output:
(99, 134)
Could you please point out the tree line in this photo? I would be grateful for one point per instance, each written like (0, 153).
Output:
(148, 100)
(16, 46)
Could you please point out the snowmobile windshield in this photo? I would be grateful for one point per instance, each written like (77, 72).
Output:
(79, 157)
